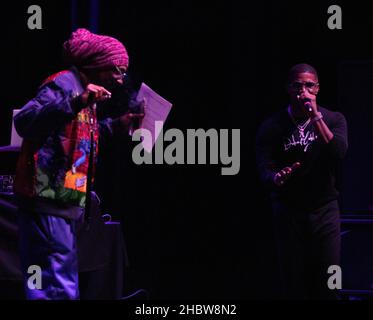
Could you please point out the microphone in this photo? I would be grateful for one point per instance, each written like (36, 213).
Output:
(307, 103)
(132, 126)
(136, 107)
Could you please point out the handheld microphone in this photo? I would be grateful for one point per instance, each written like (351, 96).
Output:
(307, 103)
(133, 125)
(136, 107)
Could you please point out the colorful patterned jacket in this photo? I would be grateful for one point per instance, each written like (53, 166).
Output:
(51, 173)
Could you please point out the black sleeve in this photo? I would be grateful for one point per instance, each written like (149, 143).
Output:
(339, 144)
(107, 128)
(265, 148)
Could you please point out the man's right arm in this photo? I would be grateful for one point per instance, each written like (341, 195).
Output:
(50, 109)
(264, 154)
(270, 174)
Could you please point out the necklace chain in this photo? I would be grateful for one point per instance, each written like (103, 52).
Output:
(301, 127)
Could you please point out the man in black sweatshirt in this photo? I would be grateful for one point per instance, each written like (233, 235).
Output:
(298, 150)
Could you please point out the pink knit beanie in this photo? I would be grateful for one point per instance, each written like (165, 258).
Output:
(92, 51)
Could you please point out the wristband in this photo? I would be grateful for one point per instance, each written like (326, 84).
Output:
(317, 118)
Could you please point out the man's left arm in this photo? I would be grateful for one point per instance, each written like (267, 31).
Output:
(122, 125)
(110, 127)
(335, 136)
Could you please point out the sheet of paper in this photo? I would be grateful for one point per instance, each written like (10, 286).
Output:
(157, 109)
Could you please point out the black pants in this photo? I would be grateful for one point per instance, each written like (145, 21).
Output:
(308, 242)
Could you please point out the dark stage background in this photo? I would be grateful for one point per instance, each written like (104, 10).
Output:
(190, 232)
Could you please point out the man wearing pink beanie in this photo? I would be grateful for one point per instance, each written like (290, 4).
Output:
(58, 157)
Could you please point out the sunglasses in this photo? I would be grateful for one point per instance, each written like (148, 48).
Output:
(309, 86)
(121, 73)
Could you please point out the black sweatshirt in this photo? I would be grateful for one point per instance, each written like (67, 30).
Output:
(279, 145)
